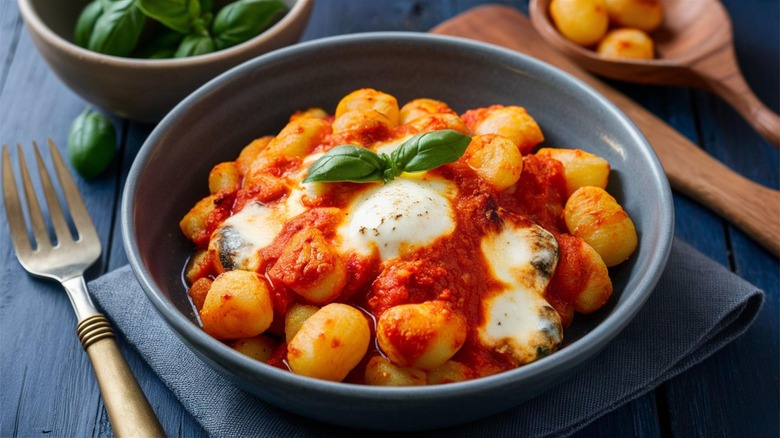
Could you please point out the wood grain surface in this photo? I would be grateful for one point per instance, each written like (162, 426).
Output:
(750, 206)
(48, 388)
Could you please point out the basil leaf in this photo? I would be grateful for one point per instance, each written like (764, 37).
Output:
(200, 25)
(86, 23)
(117, 30)
(91, 143)
(424, 151)
(107, 3)
(160, 46)
(243, 20)
(194, 45)
(347, 163)
(430, 150)
(174, 14)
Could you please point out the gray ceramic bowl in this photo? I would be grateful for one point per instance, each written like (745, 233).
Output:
(256, 98)
(141, 89)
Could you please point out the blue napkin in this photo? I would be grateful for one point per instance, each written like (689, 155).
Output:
(714, 305)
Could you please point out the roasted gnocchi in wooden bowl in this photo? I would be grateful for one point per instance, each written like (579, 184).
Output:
(418, 232)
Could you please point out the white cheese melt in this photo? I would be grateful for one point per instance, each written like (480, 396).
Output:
(239, 238)
(399, 216)
(518, 320)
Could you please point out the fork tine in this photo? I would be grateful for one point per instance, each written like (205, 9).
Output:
(78, 211)
(13, 209)
(57, 217)
(40, 233)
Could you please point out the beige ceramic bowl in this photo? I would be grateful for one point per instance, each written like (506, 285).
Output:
(140, 89)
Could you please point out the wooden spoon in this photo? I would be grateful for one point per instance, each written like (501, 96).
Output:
(694, 48)
(691, 171)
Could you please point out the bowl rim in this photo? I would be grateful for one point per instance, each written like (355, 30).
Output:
(561, 361)
(300, 10)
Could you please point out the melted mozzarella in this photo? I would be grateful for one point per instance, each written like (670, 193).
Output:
(398, 216)
(390, 146)
(239, 238)
(517, 319)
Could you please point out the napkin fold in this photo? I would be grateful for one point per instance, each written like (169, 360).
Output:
(697, 307)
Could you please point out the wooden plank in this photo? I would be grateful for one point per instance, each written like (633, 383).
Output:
(39, 325)
(10, 29)
(723, 391)
(735, 393)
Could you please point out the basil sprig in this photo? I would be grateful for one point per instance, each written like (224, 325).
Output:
(426, 151)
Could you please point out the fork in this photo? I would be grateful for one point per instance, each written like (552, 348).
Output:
(65, 261)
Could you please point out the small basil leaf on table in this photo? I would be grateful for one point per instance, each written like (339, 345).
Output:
(242, 20)
(174, 14)
(194, 45)
(347, 163)
(86, 23)
(91, 143)
(430, 150)
(118, 28)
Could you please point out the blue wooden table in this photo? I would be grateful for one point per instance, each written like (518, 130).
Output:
(47, 387)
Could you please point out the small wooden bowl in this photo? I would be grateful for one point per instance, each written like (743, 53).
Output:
(691, 30)
(694, 47)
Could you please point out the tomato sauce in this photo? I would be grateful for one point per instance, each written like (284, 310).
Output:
(452, 269)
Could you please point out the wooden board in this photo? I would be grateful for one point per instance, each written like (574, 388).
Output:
(749, 206)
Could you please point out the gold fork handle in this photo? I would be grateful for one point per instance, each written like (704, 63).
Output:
(127, 407)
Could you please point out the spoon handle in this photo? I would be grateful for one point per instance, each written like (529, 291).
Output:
(691, 171)
(720, 74)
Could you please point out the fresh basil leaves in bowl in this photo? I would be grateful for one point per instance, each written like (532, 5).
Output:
(139, 58)
(160, 29)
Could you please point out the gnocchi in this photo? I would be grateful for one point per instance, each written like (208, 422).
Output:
(449, 372)
(512, 122)
(496, 159)
(195, 223)
(224, 177)
(645, 15)
(250, 152)
(311, 268)
(329, 343)
(296, 315)
(582, 21)
(613, 28)
(421, 335)
(467, 269)
(580, 168)
(238, 305)
(365, 100)
(594, 215)
(382, 372)
(259, 347)
(299, 137)
(626, 43)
